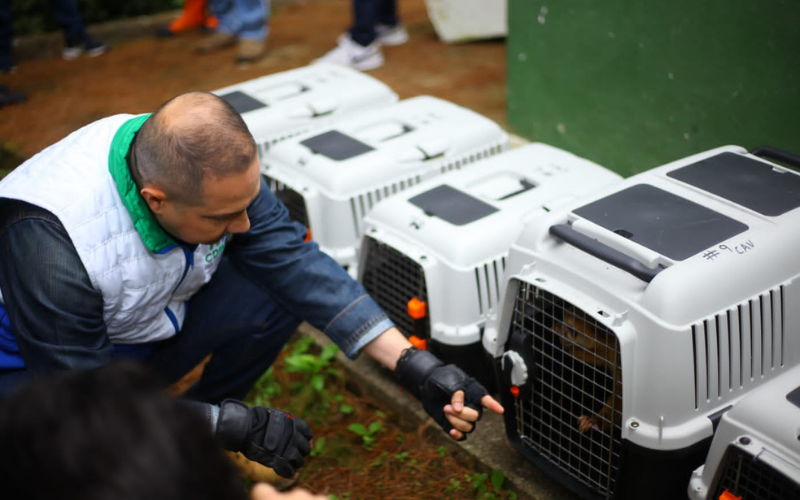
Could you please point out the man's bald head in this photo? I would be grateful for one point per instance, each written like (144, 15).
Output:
(190, 138)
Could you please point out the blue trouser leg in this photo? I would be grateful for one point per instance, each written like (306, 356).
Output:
(243, 18)
(237, 322)
(388, 13)
(69, 18)
(6, 35)
(368, 13)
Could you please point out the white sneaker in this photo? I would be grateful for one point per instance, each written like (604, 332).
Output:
(349, 53)
(391, 35)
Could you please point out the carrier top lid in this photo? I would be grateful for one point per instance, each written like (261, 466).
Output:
(661, 221)
(336, 145)
(745, 181)
(452, 205)
(242, 102)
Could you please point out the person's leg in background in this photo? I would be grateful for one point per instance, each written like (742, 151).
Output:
(241, 22)
(6, 37)
(240, 325)
(389, 31)
(254, 29)
(375, 24)
(76, 40)
(193, 15)
(7, 97)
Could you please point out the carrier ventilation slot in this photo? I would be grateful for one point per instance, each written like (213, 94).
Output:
(265, 146)
(293, 200)
(748, 477)
(360, 205)
(488, 279)
(578, 380)
(465, 160)
(392, 279)
(738, 349)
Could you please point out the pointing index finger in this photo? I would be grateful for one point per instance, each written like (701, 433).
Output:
(490, 403)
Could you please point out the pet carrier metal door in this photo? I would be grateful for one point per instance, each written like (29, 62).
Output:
(570, 414)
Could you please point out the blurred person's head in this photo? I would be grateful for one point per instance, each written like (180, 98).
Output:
(109, 434)
(196, 165)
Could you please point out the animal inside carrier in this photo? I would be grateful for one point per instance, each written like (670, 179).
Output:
(755, 453)
(331, 178)
(282, 105)
(631, 319)
(433, 257)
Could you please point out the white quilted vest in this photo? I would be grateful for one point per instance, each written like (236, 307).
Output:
(145, 286)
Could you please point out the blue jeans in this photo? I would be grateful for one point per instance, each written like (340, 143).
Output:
(368, 13)
(244, 329)
(247, 19)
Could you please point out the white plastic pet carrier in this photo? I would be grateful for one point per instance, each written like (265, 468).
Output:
(331, 178)
(433, 257)
(632, 318)
(755, 454)
(282, 105)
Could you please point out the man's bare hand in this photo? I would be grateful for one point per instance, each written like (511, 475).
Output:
(463, 418)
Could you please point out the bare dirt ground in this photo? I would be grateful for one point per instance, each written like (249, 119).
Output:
(142, 71)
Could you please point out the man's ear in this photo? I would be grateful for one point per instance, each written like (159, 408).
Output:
(155, 198)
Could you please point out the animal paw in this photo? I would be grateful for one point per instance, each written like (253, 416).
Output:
(586, 423)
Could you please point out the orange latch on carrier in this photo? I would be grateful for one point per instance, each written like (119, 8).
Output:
(417, 309)
(419, 343)
(514, 391)
(727, 495)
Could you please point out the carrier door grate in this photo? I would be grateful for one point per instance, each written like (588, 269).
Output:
(749, 478)
(293, 200)
(392, 279)
(571, 412)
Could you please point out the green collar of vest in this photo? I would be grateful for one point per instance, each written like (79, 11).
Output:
(154, 237)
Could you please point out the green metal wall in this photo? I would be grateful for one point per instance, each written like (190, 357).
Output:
(632, 85)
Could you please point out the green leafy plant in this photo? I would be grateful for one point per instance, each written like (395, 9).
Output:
(319, 446)
(480, 482)
(455, 485)
(315, 367)
(368, 434)
(265, 389)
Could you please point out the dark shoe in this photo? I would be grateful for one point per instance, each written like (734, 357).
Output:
(8, 98)
(164, 32)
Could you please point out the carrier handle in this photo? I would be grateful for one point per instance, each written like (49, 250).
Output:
(769, 152)
(604, 252)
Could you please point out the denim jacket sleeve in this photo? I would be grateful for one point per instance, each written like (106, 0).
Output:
(56, 315)
(305, 280)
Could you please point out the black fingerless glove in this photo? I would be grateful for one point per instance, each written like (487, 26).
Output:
(433, 383)
(264, 435)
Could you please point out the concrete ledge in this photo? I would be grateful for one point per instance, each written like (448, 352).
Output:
(488, 445)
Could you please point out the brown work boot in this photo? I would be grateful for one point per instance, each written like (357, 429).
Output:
(215, 41)
(250, 50)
